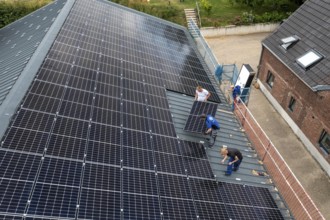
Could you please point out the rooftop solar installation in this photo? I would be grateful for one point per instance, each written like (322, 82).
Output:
(194, 123)
(94, 138)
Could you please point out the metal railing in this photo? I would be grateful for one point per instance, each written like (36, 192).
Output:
(229, 72)
(297, 199)
(203, 46)
(198, 13)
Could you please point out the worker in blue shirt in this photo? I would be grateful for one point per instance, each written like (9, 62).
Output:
(212, 127)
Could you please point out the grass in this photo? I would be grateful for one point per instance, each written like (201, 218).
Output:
(11, 10)
(223, 11)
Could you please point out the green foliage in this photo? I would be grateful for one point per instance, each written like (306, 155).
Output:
(167, 12)
(247, 18)
(12, 10)
(207, 6)
(250, 18)
(274, 16)
(213, 12)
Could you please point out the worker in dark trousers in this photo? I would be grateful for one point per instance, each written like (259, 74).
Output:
(235, 159)
(212, 127)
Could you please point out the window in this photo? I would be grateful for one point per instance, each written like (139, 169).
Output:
(292, 104)
(309, 58)
(270, 79)
(289, 41)
(325, 141)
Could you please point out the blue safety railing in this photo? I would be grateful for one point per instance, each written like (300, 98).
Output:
(222, 73)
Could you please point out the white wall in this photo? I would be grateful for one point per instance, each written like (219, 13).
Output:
(238, 30)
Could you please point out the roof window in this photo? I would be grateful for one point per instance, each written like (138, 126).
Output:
(309, 58)
(289, 41)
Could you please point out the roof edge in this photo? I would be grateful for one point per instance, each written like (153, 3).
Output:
(321, 88)
(19, 89)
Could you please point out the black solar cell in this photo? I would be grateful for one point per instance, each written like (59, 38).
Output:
(102, 177)
(197, 167)
(75, 110)
(104, 133)
(212, 211)
(139, 109)
(71, 127)
(18, 166)
(192, 149)
(178, 209)
(78, 96)
(136, 139)
(162, 127)
(34, 120)
(135, 122)
(140, 182)
(99, 205)
(41, 103)
(160, 114)
(141, 207)
(54, 200)
(14, 195)
(47, 89)
(55, 76)
(59, 171)
(104, 116)
(25, 140)
(205, 190)
(169, 163)
(137, 158)
(66, 147)
(103, 153)
(165, 144)
(173, 186)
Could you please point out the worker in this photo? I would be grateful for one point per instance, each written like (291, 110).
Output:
(235, 159)
(212, 127)
(201, 94)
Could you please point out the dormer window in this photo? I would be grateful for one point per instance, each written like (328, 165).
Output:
(309, 58)
(289, 41)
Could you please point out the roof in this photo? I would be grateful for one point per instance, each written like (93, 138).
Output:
(91, 133)
(26, 43)
(19, 41)
(311, 25)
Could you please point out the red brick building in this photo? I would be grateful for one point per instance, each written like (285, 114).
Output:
(294, 74)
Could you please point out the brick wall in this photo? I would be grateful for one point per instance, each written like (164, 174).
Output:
(312, 109)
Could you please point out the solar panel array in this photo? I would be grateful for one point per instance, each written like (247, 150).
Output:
(194, 123)
(94, 138)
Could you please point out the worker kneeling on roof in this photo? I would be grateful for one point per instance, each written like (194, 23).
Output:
(212, 127)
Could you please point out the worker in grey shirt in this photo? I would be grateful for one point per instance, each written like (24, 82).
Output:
(235, 159)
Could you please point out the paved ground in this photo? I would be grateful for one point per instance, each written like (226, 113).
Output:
(246, 49)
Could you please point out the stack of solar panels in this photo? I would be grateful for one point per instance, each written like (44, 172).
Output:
(94, 138)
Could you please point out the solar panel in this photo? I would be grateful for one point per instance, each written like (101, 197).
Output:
(193, 149)
(178, 209)
(94, 137)
(141, 207)
(54, 200)
(194, 123)
(99, 204)
(102, 177)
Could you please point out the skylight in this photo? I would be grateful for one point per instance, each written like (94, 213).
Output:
(308, 59)
(289, 41)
